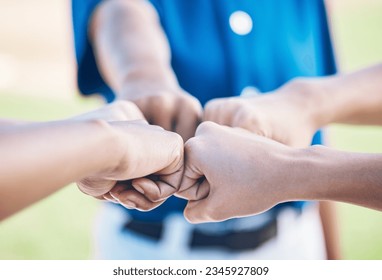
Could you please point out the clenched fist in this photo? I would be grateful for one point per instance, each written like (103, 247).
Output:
(286, 115)
(140, 150)
(174, 110)
(230, 172)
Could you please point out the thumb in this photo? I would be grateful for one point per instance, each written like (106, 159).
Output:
(194, 185)
(197, 191)
(199, 211)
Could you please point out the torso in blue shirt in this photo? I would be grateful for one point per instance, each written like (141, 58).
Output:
(289, 38)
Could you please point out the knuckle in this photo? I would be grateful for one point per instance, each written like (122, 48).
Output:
(192, 146)
(188, 105)
(205, 127)
(248, 119)
(178, 140)
(177, 148)
(212, 105)
(161, 102)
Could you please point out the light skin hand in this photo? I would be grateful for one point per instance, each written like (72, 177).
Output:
(173, 110)
(143, 150)
(284, 115)
(86, 147)
(134, 58)
(123, 191)
(292, 113)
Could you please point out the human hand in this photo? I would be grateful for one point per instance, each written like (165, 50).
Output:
(287, 115)
(174, 110)
(230, 172)
(140, 150)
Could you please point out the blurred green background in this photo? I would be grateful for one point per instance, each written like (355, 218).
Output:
(37, 83)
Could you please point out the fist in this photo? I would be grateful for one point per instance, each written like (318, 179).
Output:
(174, 111)
(142, 150)
(284, 115)
(232, 173)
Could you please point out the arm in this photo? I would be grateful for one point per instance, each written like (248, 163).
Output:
(304, 105)
(354, 98)
(131, 49)
(38, 159)
(265, 173)
(341, 176)
(331, 229)
(133, 56)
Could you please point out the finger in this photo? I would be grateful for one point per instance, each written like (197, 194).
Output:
(192, 173)
(121, 186)
(188, 118)
(198, 191)
(95, 187)
(218, 111)
(154, 191)
(132, 199)
(211, 111)
(109, 198)
(163, 111)
(200, 211)
(172, 174)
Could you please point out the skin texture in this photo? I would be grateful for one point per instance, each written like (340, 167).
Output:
(294, 112)
(148, 150)
(133, 56)
(95, 152)
(284, 115)
(327, 174)
(265, 173)
(223, 165)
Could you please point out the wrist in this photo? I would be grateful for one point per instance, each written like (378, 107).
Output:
(143, 81)
(310, 96)
(311, 173)
(107, 148)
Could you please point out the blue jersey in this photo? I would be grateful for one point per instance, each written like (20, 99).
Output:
(285, 39)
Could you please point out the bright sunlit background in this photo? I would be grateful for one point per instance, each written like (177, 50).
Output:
(37, 82)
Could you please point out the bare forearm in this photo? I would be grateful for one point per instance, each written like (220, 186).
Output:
(38, 159)
(354, 98)
(331, 230)
(340, 176)
(131, 49)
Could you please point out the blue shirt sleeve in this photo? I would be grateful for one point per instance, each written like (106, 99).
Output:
(88, 77)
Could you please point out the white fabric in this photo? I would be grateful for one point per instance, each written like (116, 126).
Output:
(299, 237)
